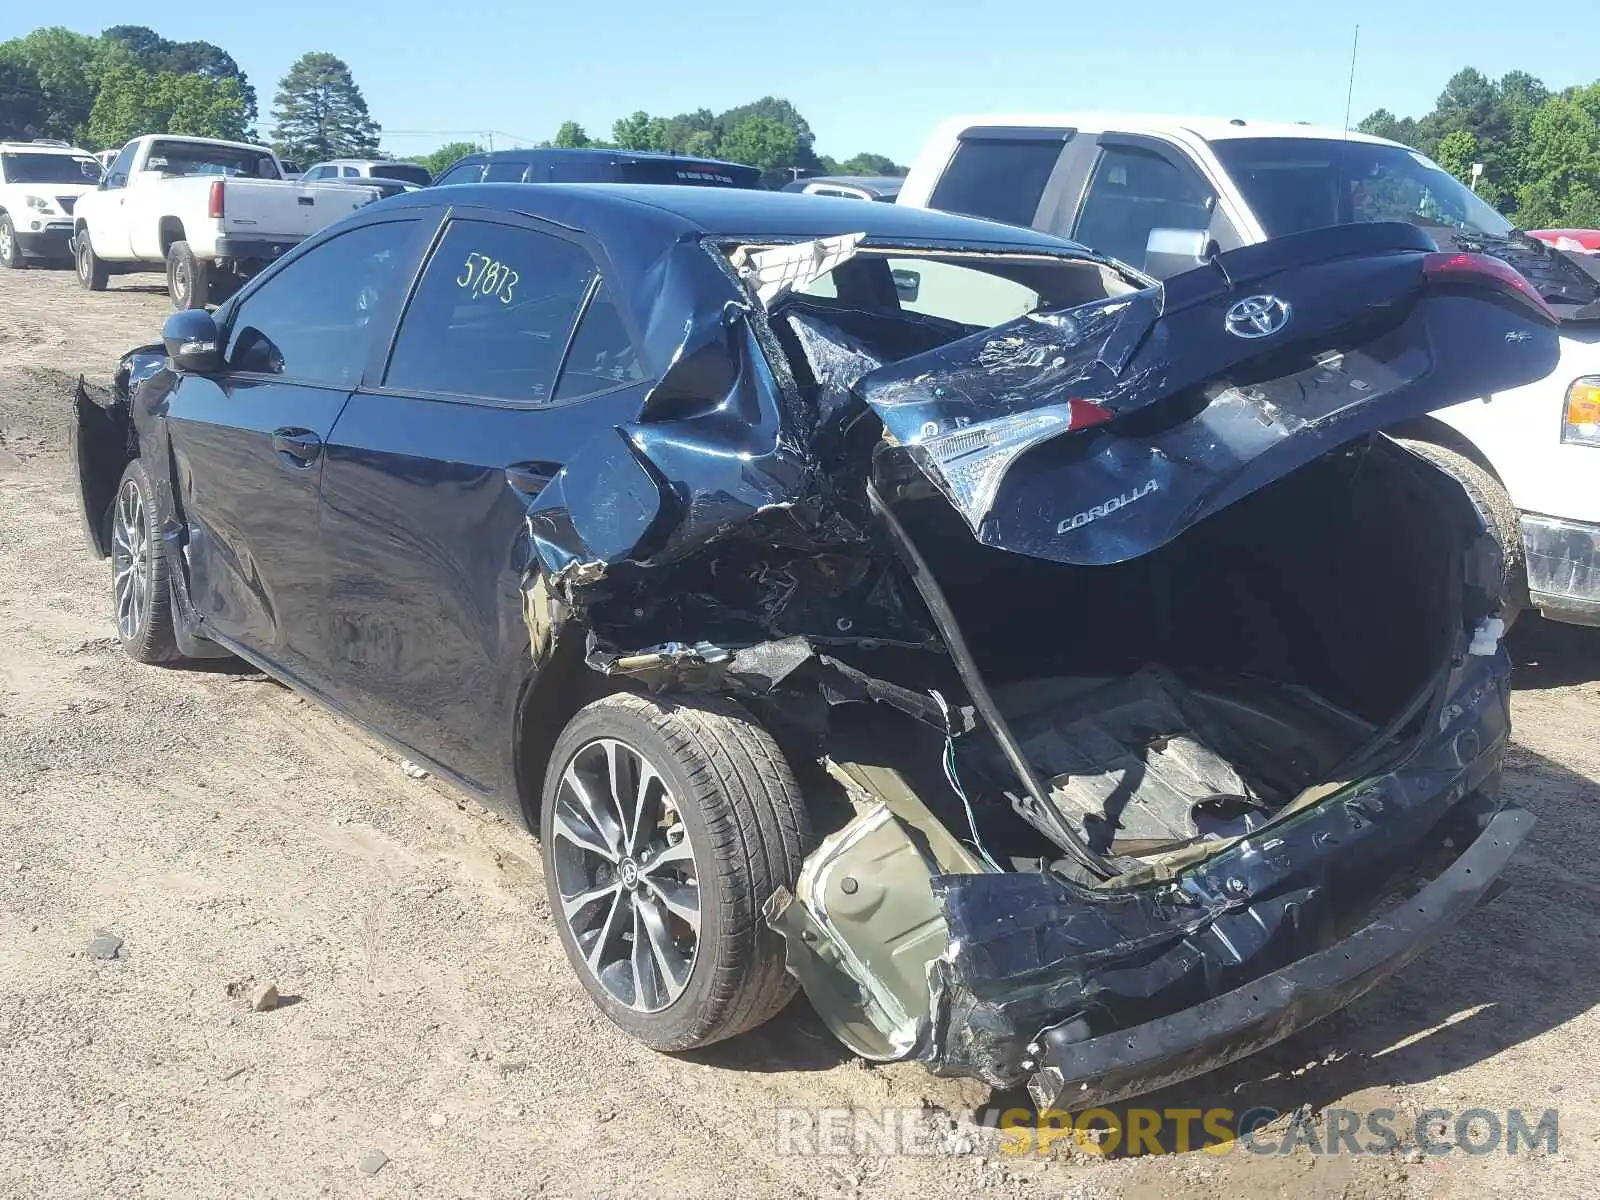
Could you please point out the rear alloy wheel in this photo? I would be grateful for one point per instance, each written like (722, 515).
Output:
(92, 272)
(188, 277)
(139, 591)
(664, 829)
(10, 251)
(1499, 514)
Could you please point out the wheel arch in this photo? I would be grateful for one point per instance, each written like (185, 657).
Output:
(548, 698)
(169, 231)
(1431, 429)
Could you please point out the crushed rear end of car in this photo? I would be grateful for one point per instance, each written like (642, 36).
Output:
(1151, 700)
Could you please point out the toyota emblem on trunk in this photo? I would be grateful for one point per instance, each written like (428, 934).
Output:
(1257, 317)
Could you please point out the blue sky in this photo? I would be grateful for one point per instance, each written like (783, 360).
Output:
(868, 74)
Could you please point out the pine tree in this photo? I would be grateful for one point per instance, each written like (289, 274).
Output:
(319, 112)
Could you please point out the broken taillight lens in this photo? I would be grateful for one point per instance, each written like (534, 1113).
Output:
(1490, 271)
(214, 204)
(970, 461)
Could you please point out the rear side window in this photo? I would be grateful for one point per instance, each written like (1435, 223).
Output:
(492, 314)
(468, 172)
(999, 178)
(505, 171)
(309, 321)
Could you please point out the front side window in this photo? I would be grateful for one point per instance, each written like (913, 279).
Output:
(117, 173)
(309, 322)
(1134, 192)
(468, 172)
(1294, 184)
(999, 178)
(492, 314)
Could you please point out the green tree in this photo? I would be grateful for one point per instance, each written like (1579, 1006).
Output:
(764, 142)
(640, 131)
(784, 113)
(1385, 124)
(1456, 152)
(67, 68)
(440, 160)
(1563, 162)
(319, 112)
(133, 101)
(572, 136)
(21, 100)
(867, 163)
(156, 54)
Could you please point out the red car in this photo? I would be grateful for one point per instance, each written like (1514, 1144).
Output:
(1581, 241)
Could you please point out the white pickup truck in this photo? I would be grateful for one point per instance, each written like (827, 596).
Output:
(1164, 193)
(211, 213)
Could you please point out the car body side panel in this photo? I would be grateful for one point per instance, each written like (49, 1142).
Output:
(423, 537)
(250, 510)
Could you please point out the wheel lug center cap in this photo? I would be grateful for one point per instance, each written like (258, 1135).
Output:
(630, 873)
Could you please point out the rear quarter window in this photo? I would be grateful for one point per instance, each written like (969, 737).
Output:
(999, 178)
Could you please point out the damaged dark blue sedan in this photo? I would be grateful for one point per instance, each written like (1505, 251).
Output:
(1057, 673)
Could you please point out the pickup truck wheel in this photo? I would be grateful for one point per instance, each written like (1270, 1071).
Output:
(1499, 514)
(188, 277)
(10, 252)
(664, 828)
(141, 598)
(92, 273)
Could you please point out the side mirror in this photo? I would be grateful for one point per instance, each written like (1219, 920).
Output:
(192, 341)
(1173, 251)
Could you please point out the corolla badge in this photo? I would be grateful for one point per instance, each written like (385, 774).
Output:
(1257, 317)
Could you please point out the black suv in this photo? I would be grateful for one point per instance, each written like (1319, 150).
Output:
(597, 166)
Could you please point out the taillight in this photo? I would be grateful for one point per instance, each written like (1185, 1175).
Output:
(214, 206)
(1490, 271)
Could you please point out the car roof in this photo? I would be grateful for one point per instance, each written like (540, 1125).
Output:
(1207, 129)
(733, 212)
(529, 153)
(868, 183)
(12, 147)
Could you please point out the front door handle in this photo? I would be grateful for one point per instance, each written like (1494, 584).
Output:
(531, 478)
(300, 447)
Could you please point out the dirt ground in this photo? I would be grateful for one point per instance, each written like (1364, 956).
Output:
(229, 833)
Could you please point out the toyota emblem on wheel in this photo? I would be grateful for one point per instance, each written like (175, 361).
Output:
(1257, 317)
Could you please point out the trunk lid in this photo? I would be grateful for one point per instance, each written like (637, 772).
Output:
(1099, 433)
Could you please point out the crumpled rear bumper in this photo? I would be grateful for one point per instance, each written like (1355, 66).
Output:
(1215, 1032)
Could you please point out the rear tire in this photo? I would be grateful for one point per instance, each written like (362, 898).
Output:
(92, 272)
(10, 251)
(713, 968)
(1499, 514)
(188, 277)
(140, 595)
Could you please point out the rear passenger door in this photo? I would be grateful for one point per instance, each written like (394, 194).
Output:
(510, 355)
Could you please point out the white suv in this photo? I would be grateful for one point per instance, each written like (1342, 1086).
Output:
(1164, 193)
(40, 181)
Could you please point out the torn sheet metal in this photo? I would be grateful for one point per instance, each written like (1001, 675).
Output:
(772, 273)
(1194, 420)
